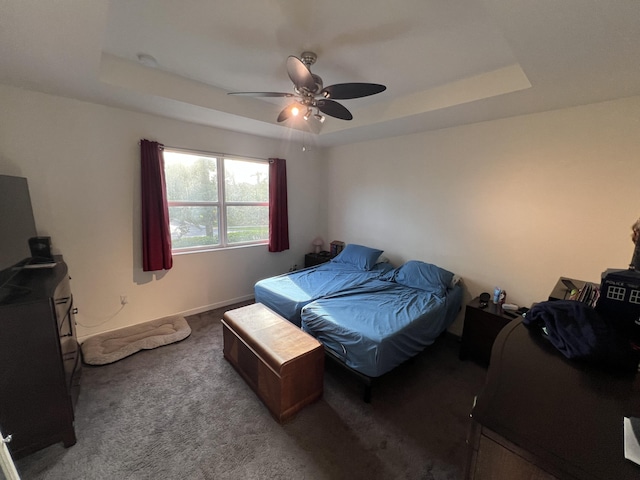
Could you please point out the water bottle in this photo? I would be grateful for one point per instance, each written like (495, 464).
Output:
(496, 295)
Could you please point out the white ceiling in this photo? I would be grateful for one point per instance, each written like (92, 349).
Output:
(444, 62)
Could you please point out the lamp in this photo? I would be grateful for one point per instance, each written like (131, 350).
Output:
(318, 243)
(308, 114)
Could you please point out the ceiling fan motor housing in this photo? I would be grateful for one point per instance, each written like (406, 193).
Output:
(318, 81)
(308, 58)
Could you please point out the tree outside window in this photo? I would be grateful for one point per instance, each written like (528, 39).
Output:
(216, 201)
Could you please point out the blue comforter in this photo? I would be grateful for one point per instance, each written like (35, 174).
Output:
(376, 326)
(288, 293)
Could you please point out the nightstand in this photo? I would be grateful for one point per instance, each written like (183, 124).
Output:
(481, 327)
(313, 259)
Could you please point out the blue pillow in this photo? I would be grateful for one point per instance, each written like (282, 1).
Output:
(424, 276)
(359, 256)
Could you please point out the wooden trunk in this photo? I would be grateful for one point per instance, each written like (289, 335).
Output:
(280, 362)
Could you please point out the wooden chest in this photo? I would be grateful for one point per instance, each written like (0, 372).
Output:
(280, 362)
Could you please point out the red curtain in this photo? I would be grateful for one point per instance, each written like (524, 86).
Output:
(278, 211)
(156, 235)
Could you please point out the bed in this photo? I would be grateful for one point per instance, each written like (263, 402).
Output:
(287, 294)
(369, 316)
(374, 327)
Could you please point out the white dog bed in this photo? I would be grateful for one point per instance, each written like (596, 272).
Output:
(112, 346)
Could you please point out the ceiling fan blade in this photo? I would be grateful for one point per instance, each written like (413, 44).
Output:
(300, 74)
(345, 91)
(334, 109)
(291, 110)
(262, 94)
(285, 114)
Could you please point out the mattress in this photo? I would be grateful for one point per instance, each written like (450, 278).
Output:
(287, 294)
(376, 326)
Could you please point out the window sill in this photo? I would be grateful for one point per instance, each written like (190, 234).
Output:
(177, 253)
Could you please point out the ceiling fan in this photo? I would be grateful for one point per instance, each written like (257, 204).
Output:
(311, 96)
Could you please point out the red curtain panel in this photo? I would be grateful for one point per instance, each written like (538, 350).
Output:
(278, 211)
(156, 235)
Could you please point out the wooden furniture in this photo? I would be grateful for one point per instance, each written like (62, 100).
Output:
(542, 416)
(280, 362)
(481, 327)
(313, 259)
(40, 360)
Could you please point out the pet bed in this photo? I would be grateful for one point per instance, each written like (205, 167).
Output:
(111, 346)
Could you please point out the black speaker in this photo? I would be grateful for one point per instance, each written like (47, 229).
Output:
(484, 299)
(41, 248)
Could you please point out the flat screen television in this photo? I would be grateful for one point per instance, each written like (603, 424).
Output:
(17, 225)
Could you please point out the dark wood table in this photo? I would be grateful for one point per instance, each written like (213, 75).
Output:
(541, 415)
(313, 259)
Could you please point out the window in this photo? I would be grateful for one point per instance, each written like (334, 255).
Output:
(216, 201)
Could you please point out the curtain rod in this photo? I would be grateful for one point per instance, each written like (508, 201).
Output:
(219, 154)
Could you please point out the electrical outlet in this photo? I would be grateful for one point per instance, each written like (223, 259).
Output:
(123, 300)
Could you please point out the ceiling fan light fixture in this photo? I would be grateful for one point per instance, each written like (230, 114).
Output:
(308, 114)
(295, 111)
(319, 117)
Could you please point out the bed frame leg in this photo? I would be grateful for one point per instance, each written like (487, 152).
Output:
(366, 380)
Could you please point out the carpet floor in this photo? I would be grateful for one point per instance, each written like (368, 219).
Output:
(182, 412)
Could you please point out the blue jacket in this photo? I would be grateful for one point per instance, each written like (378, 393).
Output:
(579, 332)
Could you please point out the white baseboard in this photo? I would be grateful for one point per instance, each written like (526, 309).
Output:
(185, 313)
(213, 306)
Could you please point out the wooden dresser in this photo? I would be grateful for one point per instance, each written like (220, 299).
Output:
(542, 416)
(39, 359)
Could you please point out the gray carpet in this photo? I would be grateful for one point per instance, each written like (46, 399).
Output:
(182, 412)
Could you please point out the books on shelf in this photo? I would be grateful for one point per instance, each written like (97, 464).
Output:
(589, 294)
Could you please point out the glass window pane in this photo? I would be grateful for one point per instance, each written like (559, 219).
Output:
(194, 226)
(190, 177)
(246, 224)
(246, 181)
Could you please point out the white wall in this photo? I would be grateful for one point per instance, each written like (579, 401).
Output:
(82, 164)
(514, 203)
